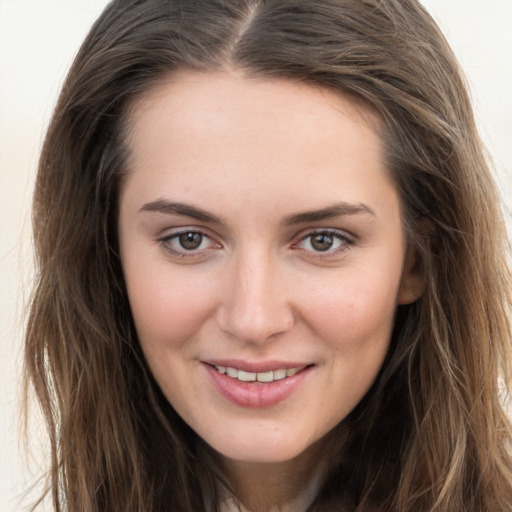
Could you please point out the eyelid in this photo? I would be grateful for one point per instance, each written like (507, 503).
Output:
(172, 234)
(341, 235)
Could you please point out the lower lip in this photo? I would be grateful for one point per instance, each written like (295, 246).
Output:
(256, 394)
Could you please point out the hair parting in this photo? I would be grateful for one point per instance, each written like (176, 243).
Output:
(432, 434)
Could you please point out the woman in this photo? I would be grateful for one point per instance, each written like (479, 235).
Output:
(272, 266)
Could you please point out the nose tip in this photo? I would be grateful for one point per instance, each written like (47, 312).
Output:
(255, 330)
(255, 308)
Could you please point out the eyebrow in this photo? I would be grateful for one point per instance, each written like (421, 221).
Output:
(170, 208)
(336, 210)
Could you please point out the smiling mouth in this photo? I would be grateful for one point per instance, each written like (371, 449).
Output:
(264, 377)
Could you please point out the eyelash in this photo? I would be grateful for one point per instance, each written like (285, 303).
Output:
(166, 242)
(345, 241)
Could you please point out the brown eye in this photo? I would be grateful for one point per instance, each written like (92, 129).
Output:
(190, 240)
(190, 243)
(325, 243)
(322, 241)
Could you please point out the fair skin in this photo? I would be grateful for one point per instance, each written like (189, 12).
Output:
(260, 232)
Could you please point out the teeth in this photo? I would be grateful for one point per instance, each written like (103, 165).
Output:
(260, 377)
(246, 376)
(265, 377)
(279, 374)
(232, 372)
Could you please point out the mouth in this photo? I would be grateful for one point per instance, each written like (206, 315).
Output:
(257, 385)
(263, 377)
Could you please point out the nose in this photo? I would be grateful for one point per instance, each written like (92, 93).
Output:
(255, 306)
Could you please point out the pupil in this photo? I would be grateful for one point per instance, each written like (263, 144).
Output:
(190, 241)
(322, 242)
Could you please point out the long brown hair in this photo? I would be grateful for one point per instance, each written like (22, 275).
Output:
(432, 434)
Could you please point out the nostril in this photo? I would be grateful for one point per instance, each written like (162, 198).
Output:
(255, 324)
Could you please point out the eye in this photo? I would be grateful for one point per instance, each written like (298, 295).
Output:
(188, 242)
(321, 241)
(326, 241)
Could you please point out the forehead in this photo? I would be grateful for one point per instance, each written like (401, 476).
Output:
(200, 97)
(200, 132)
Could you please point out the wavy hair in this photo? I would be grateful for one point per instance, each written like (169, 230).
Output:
(432, 434)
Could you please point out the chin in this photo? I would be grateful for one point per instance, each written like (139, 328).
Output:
(273, 448)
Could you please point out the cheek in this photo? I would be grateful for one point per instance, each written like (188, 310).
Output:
(354, 312)
(354, 322)
(167, 306)
(354, 306)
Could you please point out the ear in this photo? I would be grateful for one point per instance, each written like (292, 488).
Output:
(413, 280)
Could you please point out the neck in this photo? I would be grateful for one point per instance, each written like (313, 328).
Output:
(289, 486)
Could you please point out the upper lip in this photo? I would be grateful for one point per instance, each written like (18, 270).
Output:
(256, 366)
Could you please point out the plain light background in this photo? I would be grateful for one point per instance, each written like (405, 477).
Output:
(38, 39)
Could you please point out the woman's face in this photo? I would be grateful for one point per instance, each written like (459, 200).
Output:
(264, 257)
